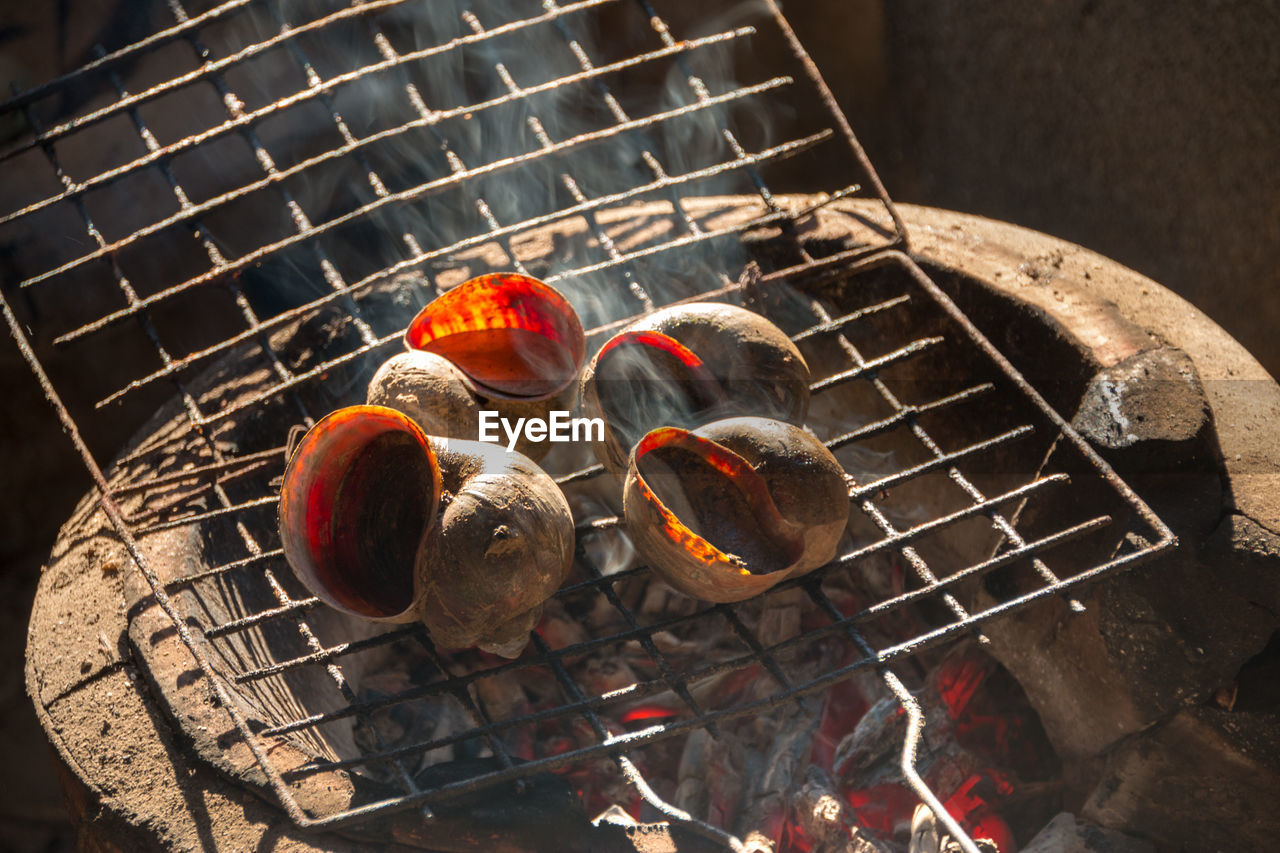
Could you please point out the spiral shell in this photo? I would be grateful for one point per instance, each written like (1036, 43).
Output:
(503, 341)
(382, 521)
(734, 507)
(687, 365)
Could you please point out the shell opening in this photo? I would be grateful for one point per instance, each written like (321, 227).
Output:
(713, 504)
(644, 379)
(510, 334)
(358, 498)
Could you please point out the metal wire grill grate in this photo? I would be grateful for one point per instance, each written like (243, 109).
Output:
(457, 139)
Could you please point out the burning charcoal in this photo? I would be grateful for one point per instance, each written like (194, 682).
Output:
(756, 779)
(560, 629)
(981, 753)
(780, 620)
(621, 833)
(504, 342)
(711, 779)
(822, 819)
(687, 365)
(926, 835)
(501, 695)
(692, 793)
(381, 521)
(733, 508)
(661, 600)
(601, 674)
(674, 647)
(930, 836)
(777, 751)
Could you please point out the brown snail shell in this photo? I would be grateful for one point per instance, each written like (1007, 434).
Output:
(659, 371)
(360, 494)
(436, 394)
(380, 520)
(504, 544)
(429, 389)
(503, 341)
(736, 506)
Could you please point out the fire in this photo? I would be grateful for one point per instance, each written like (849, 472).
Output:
(977, 747)
(645, 713)
(738, 472)
(974, 805)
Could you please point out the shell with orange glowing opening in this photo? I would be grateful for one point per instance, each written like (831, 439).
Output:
(686, 365)
(381, 521)
(728, 510)
(504, 341)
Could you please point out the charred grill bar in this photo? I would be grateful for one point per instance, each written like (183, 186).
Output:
(885, 331)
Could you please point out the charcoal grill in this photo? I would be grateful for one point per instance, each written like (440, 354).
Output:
(602, 165)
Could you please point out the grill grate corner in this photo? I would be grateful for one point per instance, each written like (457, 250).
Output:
(653, 233)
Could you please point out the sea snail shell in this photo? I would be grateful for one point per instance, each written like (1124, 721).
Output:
(380, 520)
(732, 508)
(502, 341)
(687, 365)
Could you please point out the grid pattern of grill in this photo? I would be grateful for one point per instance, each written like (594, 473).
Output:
(471, 194)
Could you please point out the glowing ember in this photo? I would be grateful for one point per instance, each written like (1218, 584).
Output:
(646, 713)
(982, 744)
(974, 805)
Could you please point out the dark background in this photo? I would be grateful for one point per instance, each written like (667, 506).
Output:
(1147, 130)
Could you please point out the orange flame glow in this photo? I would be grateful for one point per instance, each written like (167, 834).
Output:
(510, 334)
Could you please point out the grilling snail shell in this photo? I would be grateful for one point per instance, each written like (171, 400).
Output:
(502, 341)
(687, 365)
(434, 392)
(380, 520)
(734, 507)
(429, 389)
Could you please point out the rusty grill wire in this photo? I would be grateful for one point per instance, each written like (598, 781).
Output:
(237, 480)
